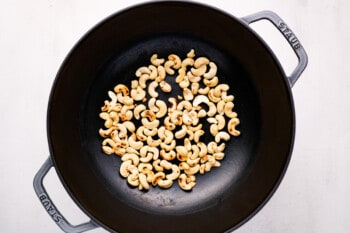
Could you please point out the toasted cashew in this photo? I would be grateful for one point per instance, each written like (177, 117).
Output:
(184, 83)
(121, 88)
(214, 129)
(108, 120)
(124, 168)
(152, 89)
(152, 142)
(129, 125)
(162, 108)
(143, 181)
(143, 79)
(165, 183)
(222, 135)
(168, 147)
(192, 78)
(203, 150)
(199, 71)
(199, 99)
(212, 71)
(211, 82)
(138, 93)
(212, 96)
(184, 166)
(150, 124)
(176, 117)
(228, 110)
(150, 132)
(107, 150)
(191, 54)
(140, 134)
(173, 104)
(197, 135)
(167, 155)
(220, 88)
(152, 105)
(137, 110)
(148, 114)
(187, 94)
(105, 132)
(168, 124)
(192, 170)
(184, 184)
(221, 121)
(203, 91)
(157, 177)
(167, 66)
(219, 155)
(220, 106)
(133, 157)
(161, 74)
(212, 109)
(165, 87)
(201, 61)
(156, 165)
(174, 174)
(181, 133)
(156, 61)
(231, 127)
(142, 70)
(176, 59)
(226, 98)
(133, 143)
(165, 164)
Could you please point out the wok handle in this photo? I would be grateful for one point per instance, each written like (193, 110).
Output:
(51, 208)
(290, 37)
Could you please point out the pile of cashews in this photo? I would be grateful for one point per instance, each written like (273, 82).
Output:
(151, 153)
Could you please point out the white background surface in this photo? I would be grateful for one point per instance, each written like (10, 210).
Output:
(35, 37)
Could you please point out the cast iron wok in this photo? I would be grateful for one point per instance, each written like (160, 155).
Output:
(109, 54)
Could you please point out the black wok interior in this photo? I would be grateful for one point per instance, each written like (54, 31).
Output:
(109, 54)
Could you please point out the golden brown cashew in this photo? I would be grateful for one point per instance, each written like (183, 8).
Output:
(142, 70)
(152, 89)
(165, 87)
(163, 109)
(167, 155)
(133, 157)
(212, 71)
(175, 172)
(176, 59)
(143, 182)
(167, 66)
(161, 74)
(228, 110)
(184, 184)
(222, 136)
(138, 109)
(165, 183)
(156, 61)
(138, 94)
(157, 177)
(211, 82)
(124, 168)
(133, 143)
(221, 121)
(231, 127)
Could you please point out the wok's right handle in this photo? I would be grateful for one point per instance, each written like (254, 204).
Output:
(51, 208)
(289, 35)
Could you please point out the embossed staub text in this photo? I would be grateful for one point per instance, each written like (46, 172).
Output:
(50, 208)
(289, 35)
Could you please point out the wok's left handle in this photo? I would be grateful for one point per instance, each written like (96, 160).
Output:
(290, 37)
(51, 208)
